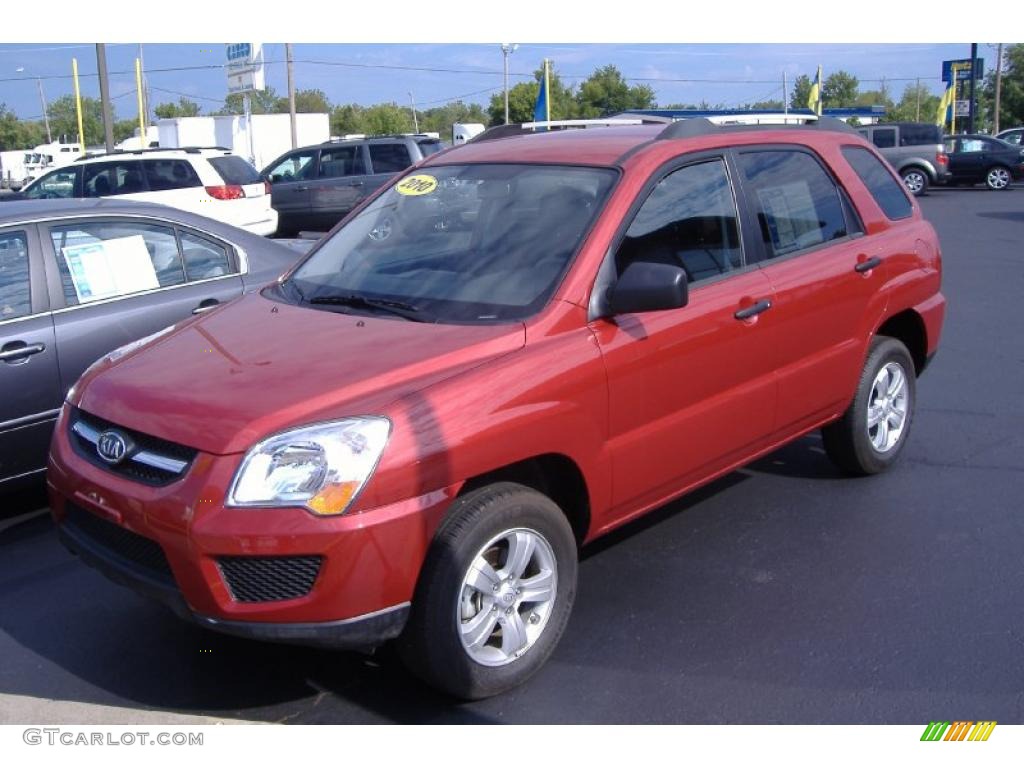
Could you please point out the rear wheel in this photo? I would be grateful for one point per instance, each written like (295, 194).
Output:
(494, 595)
(871, 435)
(916, 181)
(997, 178)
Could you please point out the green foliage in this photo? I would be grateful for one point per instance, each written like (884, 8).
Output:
(184, 108)
(1011, 100)
(917, 104)
(440, 119)
(19, 134)
(263, 102)
(306, 100)
(801, 92)
(840, 90)
(522, 97)
(380, 118)
(605, 93)
(124, 129)
(64, 120)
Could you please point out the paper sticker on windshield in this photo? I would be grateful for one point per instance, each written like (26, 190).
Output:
(419, 184)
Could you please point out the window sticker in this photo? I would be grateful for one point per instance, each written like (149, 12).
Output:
(110, 268)
(418, 184)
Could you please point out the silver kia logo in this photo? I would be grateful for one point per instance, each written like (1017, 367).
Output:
(111, 446)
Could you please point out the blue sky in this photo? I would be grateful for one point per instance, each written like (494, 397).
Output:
(369, 74)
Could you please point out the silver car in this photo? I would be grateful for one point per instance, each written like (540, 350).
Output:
(79, 278)
(914, 150)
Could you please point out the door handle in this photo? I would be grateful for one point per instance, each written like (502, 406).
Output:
(205, 306)
(303, 188)
(12, 353)
(754, 309)
(867, 265)
(356, 184)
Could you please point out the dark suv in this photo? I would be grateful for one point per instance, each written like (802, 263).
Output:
(314, 187)
(915, 150)
(512, 351)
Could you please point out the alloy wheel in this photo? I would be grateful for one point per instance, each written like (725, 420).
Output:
(888, 406)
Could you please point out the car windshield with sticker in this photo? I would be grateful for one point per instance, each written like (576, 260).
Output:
(458, 244)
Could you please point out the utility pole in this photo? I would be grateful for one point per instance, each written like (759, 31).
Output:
(970, 106)
(917, 90)
(506, 49)
(145, 89)
(46, 117)
(999, 86)
(291, 93)
(415, 121)
(785, 94)
(108, 123)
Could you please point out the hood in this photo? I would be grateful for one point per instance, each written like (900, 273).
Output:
(237, 374)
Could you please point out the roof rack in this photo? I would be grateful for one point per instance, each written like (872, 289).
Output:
(702, 126)
(523, 129)
(147, 150)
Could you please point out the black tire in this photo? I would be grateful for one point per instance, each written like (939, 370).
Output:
(915, 180)
(998, 178)
(430, 645)
(848, 441)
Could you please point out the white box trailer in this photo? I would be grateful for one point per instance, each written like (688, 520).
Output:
(12, 167)
(271, 134)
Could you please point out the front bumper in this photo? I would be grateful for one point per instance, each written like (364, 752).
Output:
(368, 562)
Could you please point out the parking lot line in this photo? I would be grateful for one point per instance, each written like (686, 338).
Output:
(26, 710)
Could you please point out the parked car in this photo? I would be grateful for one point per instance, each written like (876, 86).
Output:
(514, 349)
(915, 150)
(79, 278)
(211, 182)
(313, 188)
(974, 158)
(1012, 136)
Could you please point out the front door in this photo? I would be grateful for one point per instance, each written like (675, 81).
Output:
(289, 187)
(691, 390)
(29, 391)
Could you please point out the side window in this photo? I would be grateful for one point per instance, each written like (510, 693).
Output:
(60, 183)
(342, 161)
(890, 195)
(688, 220)
(972, 145)
(1013, 138)
(389, 158)
(107, 179)
(798, 205)
(102, 260)
(204, 258)
(293, 168)
(170, 174)
(15, 294)
(884, 137)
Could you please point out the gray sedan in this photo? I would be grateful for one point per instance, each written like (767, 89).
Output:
(79, 278)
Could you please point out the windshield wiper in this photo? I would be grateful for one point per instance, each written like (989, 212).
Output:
(393, 306)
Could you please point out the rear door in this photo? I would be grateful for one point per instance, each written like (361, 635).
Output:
(117, 280)
(813, 254)
(341, 184)
(386, 159)
(121, 178)
(173, 181)
(289, 184)
(29, 380)
(967, 161)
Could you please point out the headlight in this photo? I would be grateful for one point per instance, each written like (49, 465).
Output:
(321, 467)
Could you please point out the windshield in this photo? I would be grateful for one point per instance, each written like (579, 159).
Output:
(471, 243)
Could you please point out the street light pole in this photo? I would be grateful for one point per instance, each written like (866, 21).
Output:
(415, 120)
(46, 117)
(506, 49)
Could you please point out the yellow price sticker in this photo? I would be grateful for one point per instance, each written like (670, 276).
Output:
(418, 184)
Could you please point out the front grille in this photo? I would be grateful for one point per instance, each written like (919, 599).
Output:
(142, 554)
(138, 466)
(265, 579)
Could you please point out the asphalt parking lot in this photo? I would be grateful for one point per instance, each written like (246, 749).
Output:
(783, 593)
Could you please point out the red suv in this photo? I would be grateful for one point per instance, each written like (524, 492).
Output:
(520, 345)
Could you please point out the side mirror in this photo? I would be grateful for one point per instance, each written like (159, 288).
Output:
(649, 287)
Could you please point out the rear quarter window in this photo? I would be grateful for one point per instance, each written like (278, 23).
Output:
(915, 135)
(888, 193)
(235, 170)
(430, 147)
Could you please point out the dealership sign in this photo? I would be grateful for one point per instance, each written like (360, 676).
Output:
(245, 67)
(963, 69)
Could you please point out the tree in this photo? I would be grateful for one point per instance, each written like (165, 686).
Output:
(801, 92)
(124, 129)
(263, 102)
(347, 118)
(606, 93)
(306, 100)
(440, 119)
(522, 98)
(18, 134)
(387, 118)
(840, 90)
(1011, 97)
(917, 104)
(64, 120)
(184, 108)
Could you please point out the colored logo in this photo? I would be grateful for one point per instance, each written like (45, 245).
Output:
(960, 730)
(418, 184)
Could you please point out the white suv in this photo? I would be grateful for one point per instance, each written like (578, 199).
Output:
(212, 182)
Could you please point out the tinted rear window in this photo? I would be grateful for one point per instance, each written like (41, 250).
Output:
(888, 193)
(913, 135)
(430, 147)
(235, 170)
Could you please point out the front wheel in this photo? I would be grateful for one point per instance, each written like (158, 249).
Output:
(494, 595)
(997, 178)
(871, 435)
(916, 181)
